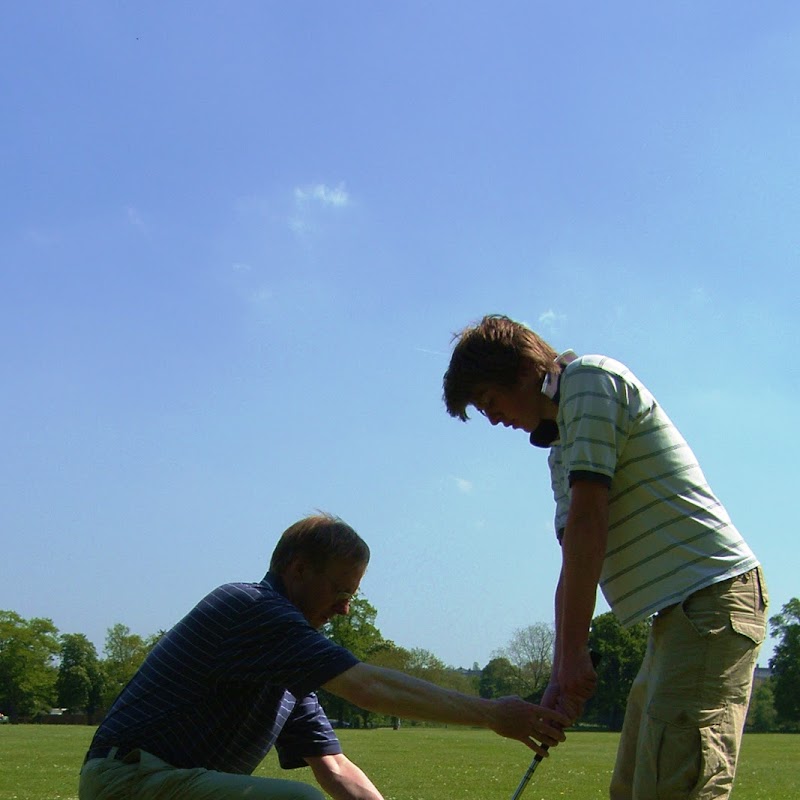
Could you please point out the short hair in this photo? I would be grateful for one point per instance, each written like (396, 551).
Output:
(490, 353)
(318, 538)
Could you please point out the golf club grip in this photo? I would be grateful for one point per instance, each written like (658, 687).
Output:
(537, 759)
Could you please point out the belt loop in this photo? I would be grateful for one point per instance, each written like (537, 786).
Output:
(112, 752)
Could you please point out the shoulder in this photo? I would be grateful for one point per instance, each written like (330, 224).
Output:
(248, 601)
(241, 593)
(600, 377)
(596, 366)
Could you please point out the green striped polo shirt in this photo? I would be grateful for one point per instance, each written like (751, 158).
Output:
(668, 535)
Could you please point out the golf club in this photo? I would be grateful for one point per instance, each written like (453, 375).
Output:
(537, 759)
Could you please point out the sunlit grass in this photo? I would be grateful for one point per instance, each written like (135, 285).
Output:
(41, 762)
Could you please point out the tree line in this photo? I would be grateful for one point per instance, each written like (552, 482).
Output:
(42, 669)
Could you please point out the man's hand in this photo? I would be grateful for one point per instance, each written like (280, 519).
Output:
(580, 678)
(550, 696)
(575, 684)
(530, 724)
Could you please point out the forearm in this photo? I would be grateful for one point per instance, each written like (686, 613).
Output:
(342, 779)
(558, 615)
(387, 691)
(583, 552)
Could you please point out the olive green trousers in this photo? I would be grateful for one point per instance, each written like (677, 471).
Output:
(142, 776)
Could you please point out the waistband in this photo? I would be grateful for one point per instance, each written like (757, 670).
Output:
(118, 753)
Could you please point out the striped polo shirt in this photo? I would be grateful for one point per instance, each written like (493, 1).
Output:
(668, 535)
(233, 678)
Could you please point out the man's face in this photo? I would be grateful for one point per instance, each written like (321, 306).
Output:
(522, 406)
(513, 408)
(323, 592)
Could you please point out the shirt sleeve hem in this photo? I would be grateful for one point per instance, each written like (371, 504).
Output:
(586, 475)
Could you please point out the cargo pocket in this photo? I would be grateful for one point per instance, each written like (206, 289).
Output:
(748, 609)
(750, 628)
(681, 754)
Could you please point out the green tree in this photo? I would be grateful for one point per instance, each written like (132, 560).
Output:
(761, 715)
(27, 670)
(425, 665)
(124, 653)
(80, 678)
(456, 679)
(498, 679)
(357, 633)
(357, 630)
(622, 651)
(391, 656)
(530, 653)
(785, 663)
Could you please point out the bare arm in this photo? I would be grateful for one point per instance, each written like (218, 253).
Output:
(583, 552)
(342, 779)
(550, 698)
(388, 691)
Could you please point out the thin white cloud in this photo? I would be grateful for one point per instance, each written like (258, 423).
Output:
(336, 197)
(698, 297)
(263, 294)
(299, 226)
(310, 203)
(135, 219)
(550, 320)
(39, 237)
(464, 486)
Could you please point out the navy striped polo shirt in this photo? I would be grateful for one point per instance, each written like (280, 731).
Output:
(233, 678)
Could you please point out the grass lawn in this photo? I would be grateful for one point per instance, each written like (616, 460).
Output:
(41, 762)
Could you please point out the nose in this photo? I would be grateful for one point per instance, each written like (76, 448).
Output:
(342, 607)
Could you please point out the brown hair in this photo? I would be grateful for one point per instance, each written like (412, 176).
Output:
(490, 353)
(318, 539)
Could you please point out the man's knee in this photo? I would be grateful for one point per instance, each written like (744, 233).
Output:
(306, 792)
(283, 790)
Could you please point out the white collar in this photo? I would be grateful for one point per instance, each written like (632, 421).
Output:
(550, 382)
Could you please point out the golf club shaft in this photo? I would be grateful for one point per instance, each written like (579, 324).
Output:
(527, 776)
(537, 759)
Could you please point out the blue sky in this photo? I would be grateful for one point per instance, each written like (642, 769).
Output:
(236, 238)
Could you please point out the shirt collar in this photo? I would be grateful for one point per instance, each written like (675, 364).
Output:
(274, 581)
(551, 384)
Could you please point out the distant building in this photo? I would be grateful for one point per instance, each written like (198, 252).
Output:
(761, 674)
(469, 673)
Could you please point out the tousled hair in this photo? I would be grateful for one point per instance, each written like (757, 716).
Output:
(318, 538)
(491, 353)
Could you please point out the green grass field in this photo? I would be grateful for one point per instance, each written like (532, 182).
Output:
(41, 762)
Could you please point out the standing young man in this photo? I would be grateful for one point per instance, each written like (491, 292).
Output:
(238, 675)
(636, 516)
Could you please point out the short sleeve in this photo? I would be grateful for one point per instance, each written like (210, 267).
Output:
(594, 420)
(307, 732)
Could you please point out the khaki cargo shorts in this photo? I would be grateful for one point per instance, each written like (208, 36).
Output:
(687, 706)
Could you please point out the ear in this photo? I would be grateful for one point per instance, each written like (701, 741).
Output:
(529, 375)
(296, 568)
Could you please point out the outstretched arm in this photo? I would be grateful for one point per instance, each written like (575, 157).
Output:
(342, 779)
(387, 691)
